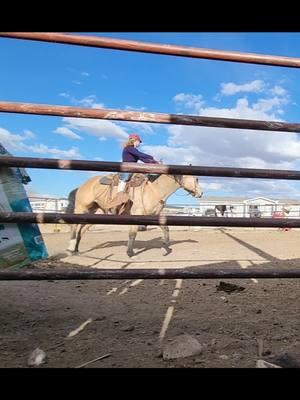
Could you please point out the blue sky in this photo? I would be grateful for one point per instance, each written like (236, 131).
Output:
(49, 73)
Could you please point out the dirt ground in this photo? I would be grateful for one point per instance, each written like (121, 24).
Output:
(133, 320)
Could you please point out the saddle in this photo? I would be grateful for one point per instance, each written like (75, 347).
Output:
(121, 203)
(135, 181)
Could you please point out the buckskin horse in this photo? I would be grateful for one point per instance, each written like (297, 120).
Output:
(144, 198)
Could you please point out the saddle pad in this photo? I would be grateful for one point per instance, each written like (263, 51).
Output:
(135, 181)
(110, 179)
(104, 180)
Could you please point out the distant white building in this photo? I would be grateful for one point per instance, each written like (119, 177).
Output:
(43, 204)
(238, 207)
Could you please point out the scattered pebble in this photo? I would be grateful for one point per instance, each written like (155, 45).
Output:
(182, 346)
(36, 358)
(128, 328)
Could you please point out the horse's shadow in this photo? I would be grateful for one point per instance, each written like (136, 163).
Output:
(143, 245)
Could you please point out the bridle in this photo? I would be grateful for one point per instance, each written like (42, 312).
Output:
(179, 180)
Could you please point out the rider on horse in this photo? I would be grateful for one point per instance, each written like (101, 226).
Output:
(132, 154)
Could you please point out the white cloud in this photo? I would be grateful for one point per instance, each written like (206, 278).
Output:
(228, 186)
(28, 134)
(67, 132)
(85, 73)
(214, 186)
(278, 91)
(244, 110)
(249, 187)
(76, 82)
(43, 149)
(69, 97)
(99, 128)
(173, 155)
(88, 101)
(139, 127)
(235, 147)
(189, 100)
(229, 89)
(11, 141)
(105, 129)
(266, 105)
(98, 105)
(135, 108)
(15, 143)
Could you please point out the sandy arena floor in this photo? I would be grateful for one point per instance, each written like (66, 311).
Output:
(132, 321)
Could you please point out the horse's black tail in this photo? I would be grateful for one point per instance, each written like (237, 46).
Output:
(71, 205)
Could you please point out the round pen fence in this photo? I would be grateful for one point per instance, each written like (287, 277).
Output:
(125, 115)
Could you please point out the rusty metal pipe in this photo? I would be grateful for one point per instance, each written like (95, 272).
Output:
(151, 117)
(156, 48)
(177, 273)
(171, 220)
(108, 166)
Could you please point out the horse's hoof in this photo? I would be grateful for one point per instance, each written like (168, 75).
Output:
(142, 228)
(166, 251)
(130, 253)
(72, 252)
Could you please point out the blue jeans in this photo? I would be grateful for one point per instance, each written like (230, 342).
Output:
(125, 176)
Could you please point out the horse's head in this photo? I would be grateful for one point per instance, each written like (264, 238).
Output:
(191, 184)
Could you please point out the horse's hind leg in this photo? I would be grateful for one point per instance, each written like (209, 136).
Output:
(81, 230)
(132, 235)
(84, 227)
(166, 240)
(72, 242)
(76, 235)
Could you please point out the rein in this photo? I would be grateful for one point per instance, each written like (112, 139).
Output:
(178, 179)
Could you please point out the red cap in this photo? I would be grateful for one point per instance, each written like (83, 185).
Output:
(135, 136)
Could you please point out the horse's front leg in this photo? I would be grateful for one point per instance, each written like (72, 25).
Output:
(132, 235)
(76, 236)
(72, 242)
(166, 240)
(84, 228)
(77, 230)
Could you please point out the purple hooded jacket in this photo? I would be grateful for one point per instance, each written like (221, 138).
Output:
(132, 154)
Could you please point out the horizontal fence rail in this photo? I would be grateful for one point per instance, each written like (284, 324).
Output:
(156, 48)
(151, 117)
(172, 220)
(199, 273)
(108, 166)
